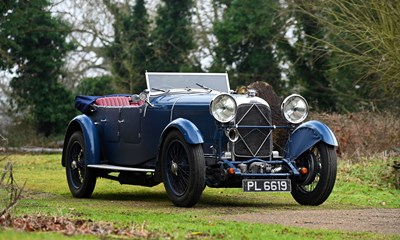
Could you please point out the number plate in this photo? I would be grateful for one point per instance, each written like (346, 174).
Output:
(266, 185)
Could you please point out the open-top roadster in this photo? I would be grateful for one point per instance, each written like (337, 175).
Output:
(189, 131)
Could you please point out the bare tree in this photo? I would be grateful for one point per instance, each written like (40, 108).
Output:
(92, 30)
(206, 13)
(93, 20)
(366, 34)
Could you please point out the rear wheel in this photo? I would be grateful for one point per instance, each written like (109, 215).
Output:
(183, 170)
(81, 179)
(314, 187)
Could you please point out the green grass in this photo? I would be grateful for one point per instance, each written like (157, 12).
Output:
(363, 185)
(367, 183)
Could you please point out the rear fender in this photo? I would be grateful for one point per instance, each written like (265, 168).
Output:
(92, 145)
(307, 135)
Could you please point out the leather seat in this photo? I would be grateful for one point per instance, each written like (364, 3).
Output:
(113, 101)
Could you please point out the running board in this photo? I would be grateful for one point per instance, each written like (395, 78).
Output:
(119, 168)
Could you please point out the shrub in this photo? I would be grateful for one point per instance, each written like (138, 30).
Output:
(365, 133)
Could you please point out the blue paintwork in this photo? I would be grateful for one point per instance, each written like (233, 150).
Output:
(195, 109)
(124, 140)
(189, 113)
(133, 136)
(124, 145)
(307, 135)
(90, 136)
(189, 131)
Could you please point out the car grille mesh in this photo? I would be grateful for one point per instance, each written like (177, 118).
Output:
(253, 141)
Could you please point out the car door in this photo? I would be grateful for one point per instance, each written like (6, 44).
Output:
(130, 124)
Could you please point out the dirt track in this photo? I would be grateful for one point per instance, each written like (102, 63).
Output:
(386, 221)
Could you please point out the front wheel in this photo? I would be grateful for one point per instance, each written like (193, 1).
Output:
(315, 186)
(81, 179)
(183, 170)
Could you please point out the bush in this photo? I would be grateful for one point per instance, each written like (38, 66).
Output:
(22, 133)
(365, 133)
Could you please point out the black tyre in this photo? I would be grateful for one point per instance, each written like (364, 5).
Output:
(314, 187)
(183, 170)
(81, 180)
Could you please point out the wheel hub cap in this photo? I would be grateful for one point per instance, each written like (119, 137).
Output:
(73, 164)
(174, 168)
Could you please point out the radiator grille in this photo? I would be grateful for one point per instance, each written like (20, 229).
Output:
(254, 141)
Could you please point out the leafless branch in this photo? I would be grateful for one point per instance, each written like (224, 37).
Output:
(9, 186)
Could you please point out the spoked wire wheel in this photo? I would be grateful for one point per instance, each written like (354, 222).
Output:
(178, 168)
(77, 165)
(183, 170)
(314, 187)
(81, 180)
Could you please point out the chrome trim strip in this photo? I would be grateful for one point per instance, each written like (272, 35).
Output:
(119, 168)
(172, 109)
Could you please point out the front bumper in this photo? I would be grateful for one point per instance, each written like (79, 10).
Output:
(232, 173)
(280, 168)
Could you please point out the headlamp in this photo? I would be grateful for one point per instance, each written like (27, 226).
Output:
(294, 108)
(223, 108)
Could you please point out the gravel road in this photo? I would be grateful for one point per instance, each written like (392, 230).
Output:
(386, 221)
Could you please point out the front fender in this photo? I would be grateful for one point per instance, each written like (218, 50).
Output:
(92, 145)
(189, 131)
(307, 135)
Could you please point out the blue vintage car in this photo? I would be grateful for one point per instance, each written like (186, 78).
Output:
(189, 131)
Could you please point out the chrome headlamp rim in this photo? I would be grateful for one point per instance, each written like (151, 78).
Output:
(223, 112)
(291, 110)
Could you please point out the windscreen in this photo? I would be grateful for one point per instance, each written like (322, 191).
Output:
(168, 81)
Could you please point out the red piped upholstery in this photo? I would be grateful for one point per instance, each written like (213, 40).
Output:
(138, 104)
(118, 101)
(113, 101)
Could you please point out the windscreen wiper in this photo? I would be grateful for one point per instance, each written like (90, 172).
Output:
(204, 87)
(160, 90)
